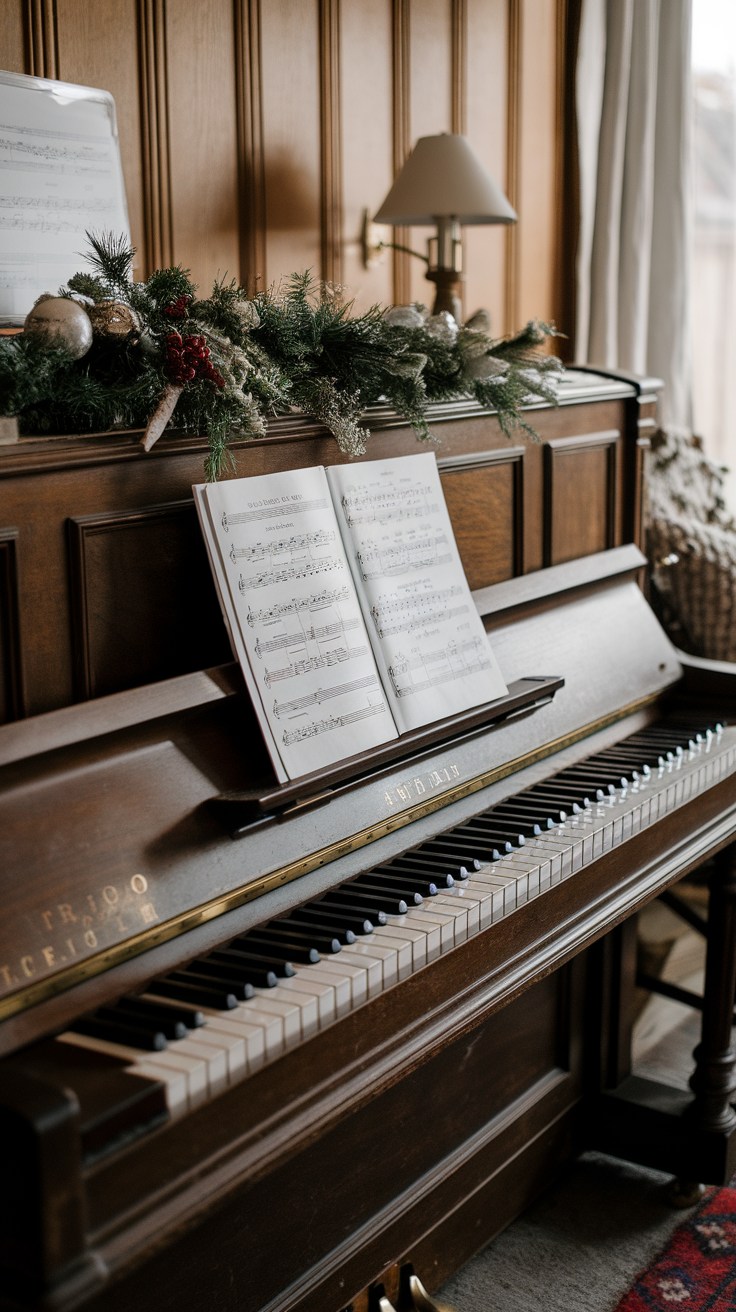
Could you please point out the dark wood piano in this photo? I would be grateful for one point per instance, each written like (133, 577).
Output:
(273, 1048)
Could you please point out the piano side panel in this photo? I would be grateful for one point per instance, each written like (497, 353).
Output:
(12, 691)
(63, 496)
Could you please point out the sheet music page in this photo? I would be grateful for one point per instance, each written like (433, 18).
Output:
(60, 176)
(432, 650)
(296, 619)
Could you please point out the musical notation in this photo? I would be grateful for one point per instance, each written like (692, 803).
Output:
(300, 542)
(320, 695)
(393, 615)
(303, 570)
(335, 656)
(389, 562)
(65, 154)
(55, 204)
(384, 507)
(292, 736)
(457, 660)
(323, 633)
(271, 512)
(317, 601)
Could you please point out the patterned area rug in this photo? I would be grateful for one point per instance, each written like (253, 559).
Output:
(697, 1270)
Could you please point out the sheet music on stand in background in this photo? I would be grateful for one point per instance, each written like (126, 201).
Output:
(60, 176)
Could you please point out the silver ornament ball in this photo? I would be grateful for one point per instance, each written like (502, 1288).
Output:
(61, 322)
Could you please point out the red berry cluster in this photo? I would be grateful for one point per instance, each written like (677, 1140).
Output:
(178, 308)
(188, 358)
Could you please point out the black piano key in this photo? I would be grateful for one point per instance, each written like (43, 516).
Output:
(260, 977)
(189, 1016)
(377, 897)
(132, 1036)
(223, 976)
(488, 826)
(323, 924)
(278, 964)
(273, 933)
(277, 949)
(334, 918)
(421, 863)
(409, 883)
(460, 851)
(169, 1027)
(530, 814)
(201, 994)
(336, 902)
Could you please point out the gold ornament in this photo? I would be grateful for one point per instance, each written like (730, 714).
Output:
(114, 320)
(61, 322)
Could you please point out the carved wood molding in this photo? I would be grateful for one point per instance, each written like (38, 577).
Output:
(459, 19)
(563, 449)
(513, 157)
(12, 691)
(401, 118)
(157, 202)
(330, 126)
(42, 38)
(249, 84)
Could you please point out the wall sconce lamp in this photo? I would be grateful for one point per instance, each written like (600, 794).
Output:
(444, 183)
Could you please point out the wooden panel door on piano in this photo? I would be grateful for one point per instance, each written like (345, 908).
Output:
(104, 564)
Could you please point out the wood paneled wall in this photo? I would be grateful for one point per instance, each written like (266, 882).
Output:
(254, 132)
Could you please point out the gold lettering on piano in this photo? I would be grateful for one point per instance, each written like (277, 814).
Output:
(71, 947)
(410, 790)
(148, 912)
(27, 966)
(110, 895)
(48, 956)
(90, 938)
(46, 918)
(5, 972)
(66, 913)
(139, 884)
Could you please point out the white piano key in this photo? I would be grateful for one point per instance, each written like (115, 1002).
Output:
(266, 1003)
(483, 896)
(371, 965)
(428, 914)
(195, 1068)
(341, 985)
(322, 994)
(357, 975)
(233, 1046)
(416, 938)
(429, 928)
(307, 1005)
(212, 1054)
(272, 1026)
(504, 881)
(372, 951)
(177, 1097)
(459, 913)
(402, 947)
(461, 892)
(253, 1037)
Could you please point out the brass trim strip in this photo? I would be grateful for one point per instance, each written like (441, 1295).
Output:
(52, 985)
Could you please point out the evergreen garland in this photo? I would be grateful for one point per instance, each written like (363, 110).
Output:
(238, 360)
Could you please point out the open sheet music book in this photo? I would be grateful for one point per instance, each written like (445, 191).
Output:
(347, 606)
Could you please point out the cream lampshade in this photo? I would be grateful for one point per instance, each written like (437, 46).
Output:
(444, 182)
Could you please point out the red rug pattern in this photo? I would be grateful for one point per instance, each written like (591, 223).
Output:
(697, 1270)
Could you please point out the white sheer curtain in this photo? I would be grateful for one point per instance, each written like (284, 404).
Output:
(633, 112)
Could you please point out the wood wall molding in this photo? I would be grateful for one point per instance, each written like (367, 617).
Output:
(157, 195)
(42, 38)
(567, 180)
(459, 112)
(249, 77)
(331, 195)
(12, 692)
(401, 69)
(582, 494)
(513, 157)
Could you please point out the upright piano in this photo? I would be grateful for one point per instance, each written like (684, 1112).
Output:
(271, 1048)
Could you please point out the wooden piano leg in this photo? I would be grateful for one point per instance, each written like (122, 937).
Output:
(714, 1078)
(691, 1135)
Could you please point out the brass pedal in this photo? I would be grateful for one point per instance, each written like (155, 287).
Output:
(422, 1300)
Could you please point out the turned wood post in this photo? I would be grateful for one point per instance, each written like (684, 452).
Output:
(713, 1079)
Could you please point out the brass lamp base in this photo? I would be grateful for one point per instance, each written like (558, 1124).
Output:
(448, 292)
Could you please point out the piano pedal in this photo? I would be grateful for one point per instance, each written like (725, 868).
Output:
(420, 1299)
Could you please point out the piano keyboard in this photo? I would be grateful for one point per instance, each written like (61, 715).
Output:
(222, 1016)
